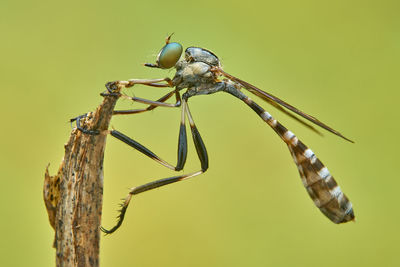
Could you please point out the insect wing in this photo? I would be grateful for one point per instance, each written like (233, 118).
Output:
(271, 98)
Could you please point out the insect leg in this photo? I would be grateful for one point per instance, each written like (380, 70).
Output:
(202, 154)
(182, 145)
(114, 89)
(148, 82)
(318, 181)
(141, 189)
(197, 140)
(80, 128)
(151, 107)
(153, 103)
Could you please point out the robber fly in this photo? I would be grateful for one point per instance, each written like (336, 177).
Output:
(200, 73)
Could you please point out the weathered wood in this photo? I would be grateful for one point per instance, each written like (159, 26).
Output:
(74, 196)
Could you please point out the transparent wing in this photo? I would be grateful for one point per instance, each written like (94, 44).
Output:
(280, 108)
(273, 99)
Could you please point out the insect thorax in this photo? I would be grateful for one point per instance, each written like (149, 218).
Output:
(194, 71)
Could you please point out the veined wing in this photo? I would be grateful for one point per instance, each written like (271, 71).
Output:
(271, 98)
(291, 115)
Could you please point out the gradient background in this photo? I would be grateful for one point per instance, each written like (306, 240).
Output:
(337, 60)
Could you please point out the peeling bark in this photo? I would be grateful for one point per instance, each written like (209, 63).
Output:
(74, 196)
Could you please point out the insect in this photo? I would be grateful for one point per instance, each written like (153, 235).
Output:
(200, 73)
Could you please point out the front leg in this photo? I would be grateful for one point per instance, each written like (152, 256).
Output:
(156, 103)
(116, 86)
(150, 107)
(114, 89)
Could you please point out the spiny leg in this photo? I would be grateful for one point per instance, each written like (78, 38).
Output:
(148, 82)
(141, 189)
(319, 183)
(114, 89)
(182, 145)
(155, 103)
(202, 154)
(151, 107)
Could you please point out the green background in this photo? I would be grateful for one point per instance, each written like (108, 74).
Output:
(337, 60)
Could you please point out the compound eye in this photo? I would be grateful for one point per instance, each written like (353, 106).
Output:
(169, 55)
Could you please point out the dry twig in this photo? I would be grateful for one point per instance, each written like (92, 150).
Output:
(74, 196)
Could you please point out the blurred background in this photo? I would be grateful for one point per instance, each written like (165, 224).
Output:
(336, 60)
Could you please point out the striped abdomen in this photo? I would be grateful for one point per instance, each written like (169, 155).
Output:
(317, 180)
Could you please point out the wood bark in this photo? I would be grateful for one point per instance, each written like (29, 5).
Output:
(74, 196)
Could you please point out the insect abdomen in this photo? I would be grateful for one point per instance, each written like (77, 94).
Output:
(320, 185)
(317, 180)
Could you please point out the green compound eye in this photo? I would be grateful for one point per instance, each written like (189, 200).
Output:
(169, 55)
